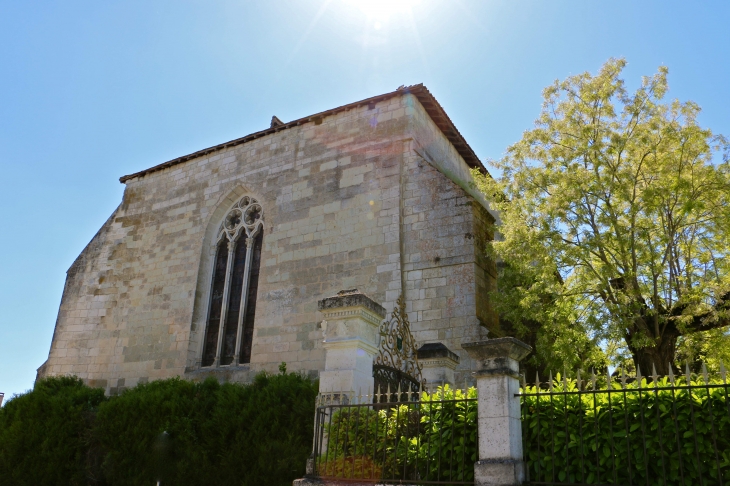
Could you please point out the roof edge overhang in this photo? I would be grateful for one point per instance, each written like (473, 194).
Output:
(424, 96)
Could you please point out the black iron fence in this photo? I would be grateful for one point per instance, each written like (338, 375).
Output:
(423, 438)
(630, 431)
(389, 378)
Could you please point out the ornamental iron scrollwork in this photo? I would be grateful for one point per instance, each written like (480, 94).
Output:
(396, 366)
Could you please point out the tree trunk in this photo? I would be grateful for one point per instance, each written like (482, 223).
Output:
(661, 355)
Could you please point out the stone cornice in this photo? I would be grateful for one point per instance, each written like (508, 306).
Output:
(350, 343)
(352, 312)
(438, 363)
(506, 347)
(350, 299)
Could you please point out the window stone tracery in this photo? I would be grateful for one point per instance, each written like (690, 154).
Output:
(247, 216)
(229, 329)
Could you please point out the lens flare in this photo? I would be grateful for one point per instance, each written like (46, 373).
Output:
(383, 9)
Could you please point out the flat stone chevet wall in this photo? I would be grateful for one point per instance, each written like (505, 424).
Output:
(446, 275)
(356, 201)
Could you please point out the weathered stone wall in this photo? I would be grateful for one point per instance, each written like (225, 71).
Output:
(353, 202)
(446, 273)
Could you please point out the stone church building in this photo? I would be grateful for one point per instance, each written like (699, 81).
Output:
(214, 262)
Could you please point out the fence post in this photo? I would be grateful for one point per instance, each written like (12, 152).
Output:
(499, 426)
(350, 331)
(350, 328)
(438, 363)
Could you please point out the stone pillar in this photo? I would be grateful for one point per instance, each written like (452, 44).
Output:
(500, 428)
(350, 327)
(438, 364)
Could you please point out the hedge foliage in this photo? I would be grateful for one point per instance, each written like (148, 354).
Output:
(635, 435)
(433, 439)
(44, 433)
(181, 432)
(65, 433)
(671, 435)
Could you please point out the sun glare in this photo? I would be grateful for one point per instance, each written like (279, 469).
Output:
(380, 10)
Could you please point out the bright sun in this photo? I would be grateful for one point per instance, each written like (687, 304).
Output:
(379, 10)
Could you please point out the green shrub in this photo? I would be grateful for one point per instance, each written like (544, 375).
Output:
(181, 432)
(380, 438)
(218, 434)
(451, 428)
(44, 434)
(129, 427)
(434, 439)
(626, 437)
(573, 439)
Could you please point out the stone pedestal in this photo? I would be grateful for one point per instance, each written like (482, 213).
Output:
(500, 428)
(350, 328)
(438, 364)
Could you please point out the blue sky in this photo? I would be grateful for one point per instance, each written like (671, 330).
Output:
(90, 91)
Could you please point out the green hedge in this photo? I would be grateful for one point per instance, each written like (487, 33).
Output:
(583, 438)
(64, 432)
(44, 433)
(433, 439)
(627, 438)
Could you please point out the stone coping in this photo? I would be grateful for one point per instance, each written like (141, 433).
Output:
(506, 347)
(436, 350)
(351, 298)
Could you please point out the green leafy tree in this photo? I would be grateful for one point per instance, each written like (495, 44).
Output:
(615, 223)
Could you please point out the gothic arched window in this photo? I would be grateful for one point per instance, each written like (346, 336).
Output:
(229, 330)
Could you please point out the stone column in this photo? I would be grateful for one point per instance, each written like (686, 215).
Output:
(350, 328)
(438, 364)
(500, 428)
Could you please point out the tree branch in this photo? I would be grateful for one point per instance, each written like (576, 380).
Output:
(705, 321)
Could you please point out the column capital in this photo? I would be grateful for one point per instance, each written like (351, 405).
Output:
(350, 298)
(507, 347)
(350, 315)
(438, 363)
(500, 356)
(350, 332)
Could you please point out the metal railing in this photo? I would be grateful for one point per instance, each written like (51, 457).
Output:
(424, 438)
(633, 431)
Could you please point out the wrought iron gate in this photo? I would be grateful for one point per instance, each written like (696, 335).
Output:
(396, 366)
